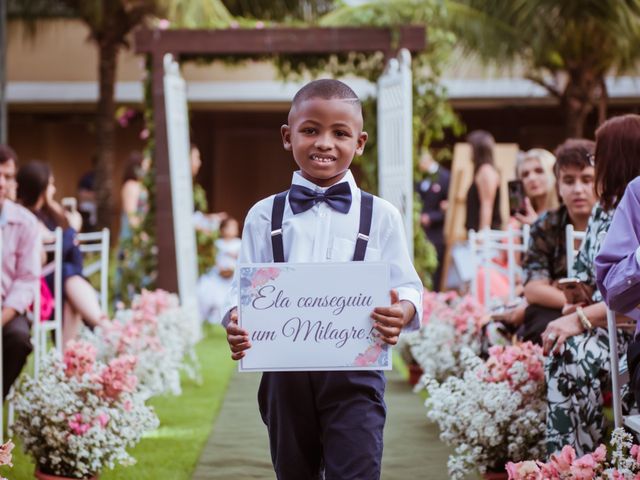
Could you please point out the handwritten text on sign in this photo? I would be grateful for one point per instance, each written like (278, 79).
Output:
(313, 316)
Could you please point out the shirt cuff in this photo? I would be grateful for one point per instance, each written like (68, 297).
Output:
(415, 297)
(638, 255)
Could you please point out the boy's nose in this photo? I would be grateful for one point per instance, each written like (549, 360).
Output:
(323, 142)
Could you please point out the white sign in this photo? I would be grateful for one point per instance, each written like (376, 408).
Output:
(313, 316)
(175, 95)
(395, 139)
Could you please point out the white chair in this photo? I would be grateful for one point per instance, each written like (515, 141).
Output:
(572, 236)
(97, 242)
(42, 328)
(631, 421)
(485, 245)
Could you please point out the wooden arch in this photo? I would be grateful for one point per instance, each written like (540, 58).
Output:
(267, 41)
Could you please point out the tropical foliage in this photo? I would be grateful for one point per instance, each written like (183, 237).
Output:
(567, 47)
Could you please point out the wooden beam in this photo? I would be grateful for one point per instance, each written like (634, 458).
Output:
(167, 263)
(280, 40)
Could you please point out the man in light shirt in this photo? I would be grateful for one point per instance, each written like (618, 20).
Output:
(21, 246)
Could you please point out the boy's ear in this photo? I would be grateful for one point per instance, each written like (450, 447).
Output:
(285, 131)
(362, 140)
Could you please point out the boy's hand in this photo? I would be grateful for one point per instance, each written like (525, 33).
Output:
(390, 320)
(238, 338)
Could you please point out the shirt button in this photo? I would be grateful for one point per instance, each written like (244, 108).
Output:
(628, 282)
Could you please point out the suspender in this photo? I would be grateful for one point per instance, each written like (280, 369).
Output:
(366, 214)
(276, 226)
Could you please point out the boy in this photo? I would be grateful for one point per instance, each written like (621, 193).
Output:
(327, 424)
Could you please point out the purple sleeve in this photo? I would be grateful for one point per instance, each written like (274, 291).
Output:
(617, 267)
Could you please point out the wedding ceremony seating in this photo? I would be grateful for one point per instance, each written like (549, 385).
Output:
(487, 245)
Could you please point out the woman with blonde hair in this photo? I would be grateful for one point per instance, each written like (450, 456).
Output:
(535, 169)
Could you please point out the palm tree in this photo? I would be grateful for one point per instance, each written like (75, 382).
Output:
(568, 47)
(110, 22)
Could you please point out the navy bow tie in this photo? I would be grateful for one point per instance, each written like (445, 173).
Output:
(337, 197)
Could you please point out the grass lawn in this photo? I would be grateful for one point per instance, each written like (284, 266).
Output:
(171, 452)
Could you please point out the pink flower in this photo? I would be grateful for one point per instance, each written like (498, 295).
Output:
(5, 453)
(369, 356)
(128, 405)
(77, 425)
(118, 377)
(102, 419)
(582, 468)
(144, 134)
(528, 470)
(234, 24)
(562, 461)
(548, 471)
(259, 24)
(600, 454)
(163, 24)
(79, 358)
(263, 275)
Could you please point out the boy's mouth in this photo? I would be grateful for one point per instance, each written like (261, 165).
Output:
(322, 158)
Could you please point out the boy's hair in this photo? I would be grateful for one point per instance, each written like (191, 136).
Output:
(577, 152)
(7, 153)
(327, 89)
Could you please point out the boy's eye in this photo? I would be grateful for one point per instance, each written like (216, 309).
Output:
(341, 133)
(308, 130)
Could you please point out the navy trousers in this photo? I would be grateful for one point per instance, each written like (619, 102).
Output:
(324, 425)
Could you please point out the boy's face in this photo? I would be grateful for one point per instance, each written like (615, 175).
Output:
(324, 136)
(575, 186)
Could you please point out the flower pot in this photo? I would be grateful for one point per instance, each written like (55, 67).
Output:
(496, 475)
(415, 372)
(48, 476)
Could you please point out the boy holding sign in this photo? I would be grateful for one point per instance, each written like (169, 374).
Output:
(327, 424)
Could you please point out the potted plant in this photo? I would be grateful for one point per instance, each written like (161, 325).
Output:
(160, 334)
(623, 463)
(494, 413)
(450, 323)
(80, 415)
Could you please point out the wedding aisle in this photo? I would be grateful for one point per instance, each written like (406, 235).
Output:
(238, 445)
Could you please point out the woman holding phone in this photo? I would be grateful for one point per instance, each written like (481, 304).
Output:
(577, 367)
(534, 169)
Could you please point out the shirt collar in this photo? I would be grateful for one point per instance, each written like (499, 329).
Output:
(9, 213)
(298, 179)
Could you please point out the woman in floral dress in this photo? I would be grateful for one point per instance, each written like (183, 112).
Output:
(577, 367)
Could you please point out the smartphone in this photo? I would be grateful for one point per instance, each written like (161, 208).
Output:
(575, 291)
(516, 197)
(70, 204)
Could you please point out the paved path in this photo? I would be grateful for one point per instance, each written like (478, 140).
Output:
(238, 447)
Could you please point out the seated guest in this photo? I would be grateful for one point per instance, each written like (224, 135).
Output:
(618, 268)
(535, 169)
(21, 243)
(546, 259)
(577, 344)
(36, 190)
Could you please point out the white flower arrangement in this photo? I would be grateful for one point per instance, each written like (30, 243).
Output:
(494, 413)
(161, 334)
(80, 415)
(451, 323)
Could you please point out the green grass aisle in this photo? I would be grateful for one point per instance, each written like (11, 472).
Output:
(172, 451)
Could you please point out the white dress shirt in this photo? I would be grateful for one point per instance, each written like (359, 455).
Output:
(322, 234)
